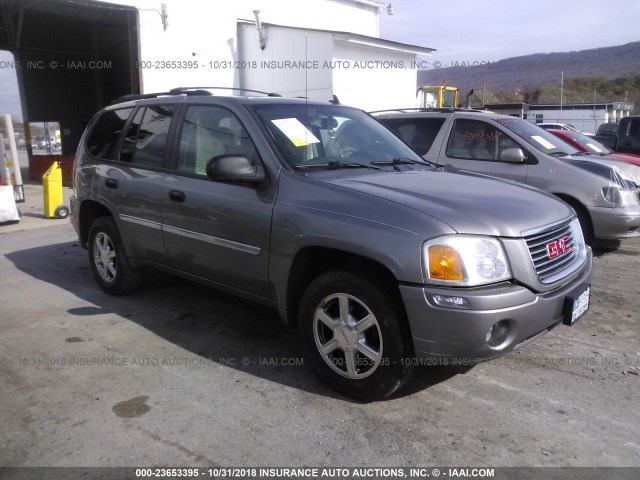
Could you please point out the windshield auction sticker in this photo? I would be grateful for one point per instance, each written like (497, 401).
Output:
(295, 131)
(595, 147)
(545, 143)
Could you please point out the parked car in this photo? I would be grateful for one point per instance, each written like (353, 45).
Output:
(607, 129)
(628, 135)
(562, 126)
(604, 196)
(377, 256)
(39, 142)
(591, 146)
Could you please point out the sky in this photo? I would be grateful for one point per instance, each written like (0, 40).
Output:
(490, 30)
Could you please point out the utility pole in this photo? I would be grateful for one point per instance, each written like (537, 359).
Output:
(561, 88)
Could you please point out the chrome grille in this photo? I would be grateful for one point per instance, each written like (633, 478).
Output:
(552, 251)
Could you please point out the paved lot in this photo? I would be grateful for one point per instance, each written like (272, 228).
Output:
(179, 375)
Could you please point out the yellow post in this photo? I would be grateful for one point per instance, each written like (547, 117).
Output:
(52, 191)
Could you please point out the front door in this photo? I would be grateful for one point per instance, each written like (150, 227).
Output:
(477, 145)
(214, 230)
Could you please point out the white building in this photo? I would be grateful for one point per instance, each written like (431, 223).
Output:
(310, 48)
(586, 117)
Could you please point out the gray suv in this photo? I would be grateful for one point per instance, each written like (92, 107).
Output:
(379, 258)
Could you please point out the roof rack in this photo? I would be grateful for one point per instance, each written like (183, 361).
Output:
(204, 91)
(188, 90)
(137, 96)
(418, 109)
(429, 109)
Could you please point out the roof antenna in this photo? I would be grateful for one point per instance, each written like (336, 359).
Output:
(260, 31)
(335, 100)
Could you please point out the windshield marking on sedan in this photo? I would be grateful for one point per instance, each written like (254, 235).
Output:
(545, 143)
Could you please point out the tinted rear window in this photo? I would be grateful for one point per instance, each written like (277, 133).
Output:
(152, 135)
(103, 139)
(417, 132)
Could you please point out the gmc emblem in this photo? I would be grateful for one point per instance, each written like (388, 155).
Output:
(558, 247)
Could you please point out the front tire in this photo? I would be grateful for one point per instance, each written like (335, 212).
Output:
(355, 335)
(584, 219)
(108, 260)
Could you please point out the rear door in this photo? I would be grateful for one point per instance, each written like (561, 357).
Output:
(136, 182)
(214, 230)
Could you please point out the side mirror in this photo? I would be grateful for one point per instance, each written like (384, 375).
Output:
(512, 155)
(234, 168)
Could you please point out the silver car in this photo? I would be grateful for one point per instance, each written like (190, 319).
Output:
(604, 193)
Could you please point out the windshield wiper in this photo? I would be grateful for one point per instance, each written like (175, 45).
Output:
(405, 161)
(335, 164)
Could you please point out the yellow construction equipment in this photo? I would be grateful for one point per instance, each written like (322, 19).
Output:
(441, 96)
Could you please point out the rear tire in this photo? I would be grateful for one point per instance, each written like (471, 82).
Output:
(108, 260)
(355, 335)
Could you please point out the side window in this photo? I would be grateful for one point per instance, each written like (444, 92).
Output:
(128, 148)
(476, 140)
(209, 132)
(406, 132)
(633, 129)
(103, 139)
(419, 132)
(152, 135)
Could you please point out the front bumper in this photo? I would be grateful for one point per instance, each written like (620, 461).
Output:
(462, 333)
(613, 223)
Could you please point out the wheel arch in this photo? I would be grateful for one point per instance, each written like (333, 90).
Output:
(312, 261)
(89, 211)
(581, 210)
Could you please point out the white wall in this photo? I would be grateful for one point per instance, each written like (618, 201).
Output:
(208, 29)
(362, 76)
(311, 48)
(583, 120)
(373, 85)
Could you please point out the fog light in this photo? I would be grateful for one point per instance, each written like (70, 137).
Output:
(497, 334)
(451, 302)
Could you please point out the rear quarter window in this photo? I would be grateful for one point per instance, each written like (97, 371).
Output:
(103, 139)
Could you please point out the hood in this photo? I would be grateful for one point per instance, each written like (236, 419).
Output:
(627, 171)
(469, 203)
(627, 157)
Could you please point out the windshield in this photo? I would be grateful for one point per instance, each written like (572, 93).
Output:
(589, 144)
(309, 135)
(449, 98)
(537, 137)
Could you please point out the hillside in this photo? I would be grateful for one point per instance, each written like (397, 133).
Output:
(540, 70)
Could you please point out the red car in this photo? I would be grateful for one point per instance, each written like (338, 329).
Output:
(592, 147)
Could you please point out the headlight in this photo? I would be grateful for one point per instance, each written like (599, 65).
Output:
(465, 260)
(612, 195)
(620, 197)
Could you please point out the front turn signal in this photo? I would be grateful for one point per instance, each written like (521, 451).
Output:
(445, 263)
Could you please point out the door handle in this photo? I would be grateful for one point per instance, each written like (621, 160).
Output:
(177, 196)
(111, 183)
